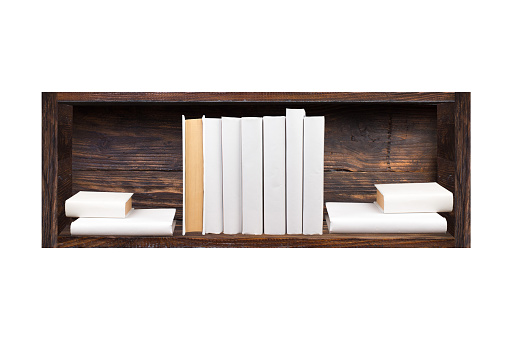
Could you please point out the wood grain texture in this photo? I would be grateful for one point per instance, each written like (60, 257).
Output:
(357, 137)
(103, 97)
(462, 173)
(49, 169)
(64, 182)
(239, 240)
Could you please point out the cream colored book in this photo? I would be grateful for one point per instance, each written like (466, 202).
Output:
(413, 198)
(352, 217)
(98, 205)
(193, 175)
(139, 222)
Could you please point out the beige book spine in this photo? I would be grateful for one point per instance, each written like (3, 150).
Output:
(194, 175)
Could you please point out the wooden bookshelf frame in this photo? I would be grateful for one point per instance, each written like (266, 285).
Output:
(452, 171)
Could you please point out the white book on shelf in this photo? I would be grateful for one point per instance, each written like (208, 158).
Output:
(351, 217)
(252, 176)
(274, 175)
(232, 175)
(212, 177)
(98, 205)
(294, 169)
(413, 197)
(139, 222)
(312, 213)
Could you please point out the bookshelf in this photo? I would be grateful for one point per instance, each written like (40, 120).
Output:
(133, 142)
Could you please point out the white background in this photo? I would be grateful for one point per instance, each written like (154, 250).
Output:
(262, 46)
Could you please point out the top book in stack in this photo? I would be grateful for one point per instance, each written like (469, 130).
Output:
(98, 205)
(413, 198)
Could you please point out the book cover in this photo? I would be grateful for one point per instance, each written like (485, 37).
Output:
(98, 204)
(193, 175)
(139, 222)
(312, 213)
(413, 197)
(252, 176)
(232, 175)
(294, 169)
(274, 175)
(351, 217)
(212, 177)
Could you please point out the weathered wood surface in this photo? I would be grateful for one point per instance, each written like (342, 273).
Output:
(462, 172)
(223, 240)
(357, 137)
(49, 169)
(415, 97)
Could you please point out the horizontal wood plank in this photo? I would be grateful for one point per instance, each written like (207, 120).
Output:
(155, 97)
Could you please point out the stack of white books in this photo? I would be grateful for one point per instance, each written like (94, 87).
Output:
(399, 208)
(111, 214)
(260, 175)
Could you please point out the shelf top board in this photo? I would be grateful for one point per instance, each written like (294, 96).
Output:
(255, 97)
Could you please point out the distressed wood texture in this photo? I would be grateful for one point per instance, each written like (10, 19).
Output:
(49, 169)
(223, 240)
(132, 142)
(102, 97)
(56, 166)
(462, 171)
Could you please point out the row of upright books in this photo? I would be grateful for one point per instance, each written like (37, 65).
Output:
(254, 175)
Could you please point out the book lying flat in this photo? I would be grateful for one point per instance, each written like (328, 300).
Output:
(212, 177)
(274, 175)
(351, 217)
(312, 212)
(413, 197)
(98, 205)
(232, 175)
(139, 222)
(294, 168)
(252, 176)
(192, 150)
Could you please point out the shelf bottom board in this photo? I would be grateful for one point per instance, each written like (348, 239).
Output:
(239, 240)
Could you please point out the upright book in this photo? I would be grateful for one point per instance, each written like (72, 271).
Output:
(312, 213)
(294, 169)
(232, 175)
(212, 177)
(192, 136)
(413, 197)
(98, 205)
(274, 172)
(351, 217)
(139, 222)
(252, 176)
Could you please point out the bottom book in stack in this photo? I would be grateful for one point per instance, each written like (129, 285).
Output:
(351, 217)
(139, 222)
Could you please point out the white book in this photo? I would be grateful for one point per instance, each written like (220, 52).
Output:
(413, 197)
(98, 205)
(294, 169)
(351, 217)
(274, 175)
(252, 176)
(232, 175)
(312, 213)
(139, 222)
(212, 177)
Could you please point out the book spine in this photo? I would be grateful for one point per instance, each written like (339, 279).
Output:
(212, 177)
(98, 209)
(232, 175)
(183, 175)
(427, 223)
(404, 203)
(312, 214)
(194, 175)
(274, 173)
(294, 169)
(252, 176)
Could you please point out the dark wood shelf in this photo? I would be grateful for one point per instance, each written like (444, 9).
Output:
(131, 142)
(239, 240)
